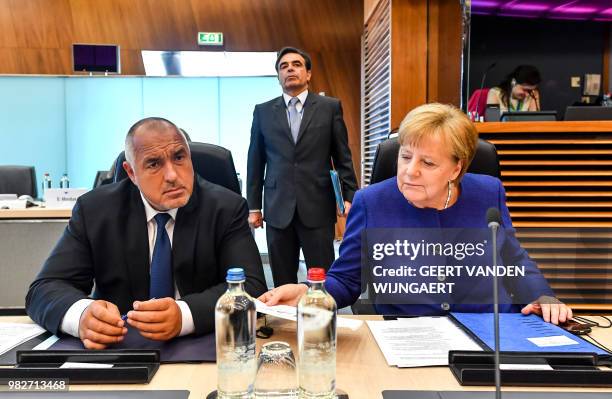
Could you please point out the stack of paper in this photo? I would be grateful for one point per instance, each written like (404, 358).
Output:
(419, 341)
(13, 204)
(14, 334)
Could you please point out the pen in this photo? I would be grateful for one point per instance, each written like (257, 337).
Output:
(124, 317)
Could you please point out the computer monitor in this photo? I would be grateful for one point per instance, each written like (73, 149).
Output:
(529, 116)
(492, 113)
(96, 58)
(588, 113)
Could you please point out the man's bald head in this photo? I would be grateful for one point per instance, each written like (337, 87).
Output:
(153, 123)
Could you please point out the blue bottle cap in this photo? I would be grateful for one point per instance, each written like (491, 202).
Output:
(235, 274)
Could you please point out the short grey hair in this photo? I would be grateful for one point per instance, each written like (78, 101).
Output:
(151, 122)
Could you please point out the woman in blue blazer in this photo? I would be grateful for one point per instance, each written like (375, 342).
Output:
(433, 191)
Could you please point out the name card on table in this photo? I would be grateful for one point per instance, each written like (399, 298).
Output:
(62, 197)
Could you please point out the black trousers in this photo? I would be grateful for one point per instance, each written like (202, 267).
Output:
(284, 249)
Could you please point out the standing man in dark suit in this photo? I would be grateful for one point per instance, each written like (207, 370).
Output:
(157, 246)
(294, 139)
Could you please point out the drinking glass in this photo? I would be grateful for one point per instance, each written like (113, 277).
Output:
(276, 376)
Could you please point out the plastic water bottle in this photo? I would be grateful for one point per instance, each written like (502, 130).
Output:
(235, 324)
(64, 181)
(316, 324)
(46, 183)
(606, 101)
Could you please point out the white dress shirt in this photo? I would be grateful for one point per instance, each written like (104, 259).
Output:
(70, 322)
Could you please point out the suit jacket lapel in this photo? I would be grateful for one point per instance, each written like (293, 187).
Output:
(184, 243)
(137, 246)
(309, 110)
(280, 115)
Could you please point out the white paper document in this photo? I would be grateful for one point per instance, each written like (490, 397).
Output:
(290, 313)
(46, 344)
(553, 340)
(529, 367)
(79, 365)
(14, 334)
(419, 341)
(283, 311)
(13, 204)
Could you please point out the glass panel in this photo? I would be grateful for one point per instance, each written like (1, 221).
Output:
(33, 124)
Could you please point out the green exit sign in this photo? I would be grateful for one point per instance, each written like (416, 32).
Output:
(210, 38)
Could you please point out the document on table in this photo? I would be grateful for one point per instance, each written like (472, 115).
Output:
(419, 341)
(290, 313)
(14, 334)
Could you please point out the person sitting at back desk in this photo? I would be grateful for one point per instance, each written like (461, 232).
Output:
(157, 246)
(518, 91)
(433, 190)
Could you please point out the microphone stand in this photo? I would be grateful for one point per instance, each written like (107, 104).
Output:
(482, 83)
(494, 226)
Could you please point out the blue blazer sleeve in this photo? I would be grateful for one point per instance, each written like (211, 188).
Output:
(343, 280)
(533, 285)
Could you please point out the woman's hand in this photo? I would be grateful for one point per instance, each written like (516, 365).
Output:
(288, 294)
(550, 308)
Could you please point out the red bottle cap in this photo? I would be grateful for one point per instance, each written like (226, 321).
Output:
(316, 274)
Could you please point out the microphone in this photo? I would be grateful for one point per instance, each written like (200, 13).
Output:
(493, 217)
(493, 222)
(482, 83)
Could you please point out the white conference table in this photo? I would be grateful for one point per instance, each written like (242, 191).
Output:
(362, 371)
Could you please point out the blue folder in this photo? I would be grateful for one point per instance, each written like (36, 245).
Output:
(516, 328)
(337, 189)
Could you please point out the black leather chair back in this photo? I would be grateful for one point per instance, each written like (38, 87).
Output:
(103, 177)
(20, 180)
(485, 160)
(212, 162)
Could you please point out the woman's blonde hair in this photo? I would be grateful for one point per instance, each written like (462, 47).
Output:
(446, 122)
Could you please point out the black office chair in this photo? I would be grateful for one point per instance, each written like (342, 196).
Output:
(485, 160)
(20, 180)
(212, 162)
(103, 177)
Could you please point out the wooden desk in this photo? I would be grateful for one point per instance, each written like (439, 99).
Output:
(35, 213)
(361, 368)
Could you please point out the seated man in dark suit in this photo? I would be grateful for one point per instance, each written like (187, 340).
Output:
(157, 246)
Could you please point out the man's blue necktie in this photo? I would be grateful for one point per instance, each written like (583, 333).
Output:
(294, 118)
(162, 283)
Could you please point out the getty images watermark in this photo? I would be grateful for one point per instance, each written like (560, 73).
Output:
(454, 266)
(411, 251)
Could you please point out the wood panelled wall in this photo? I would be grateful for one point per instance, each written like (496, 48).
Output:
(425, 53)
(36, 36)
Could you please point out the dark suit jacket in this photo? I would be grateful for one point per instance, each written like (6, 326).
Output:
(106, 242)
(297, 174)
